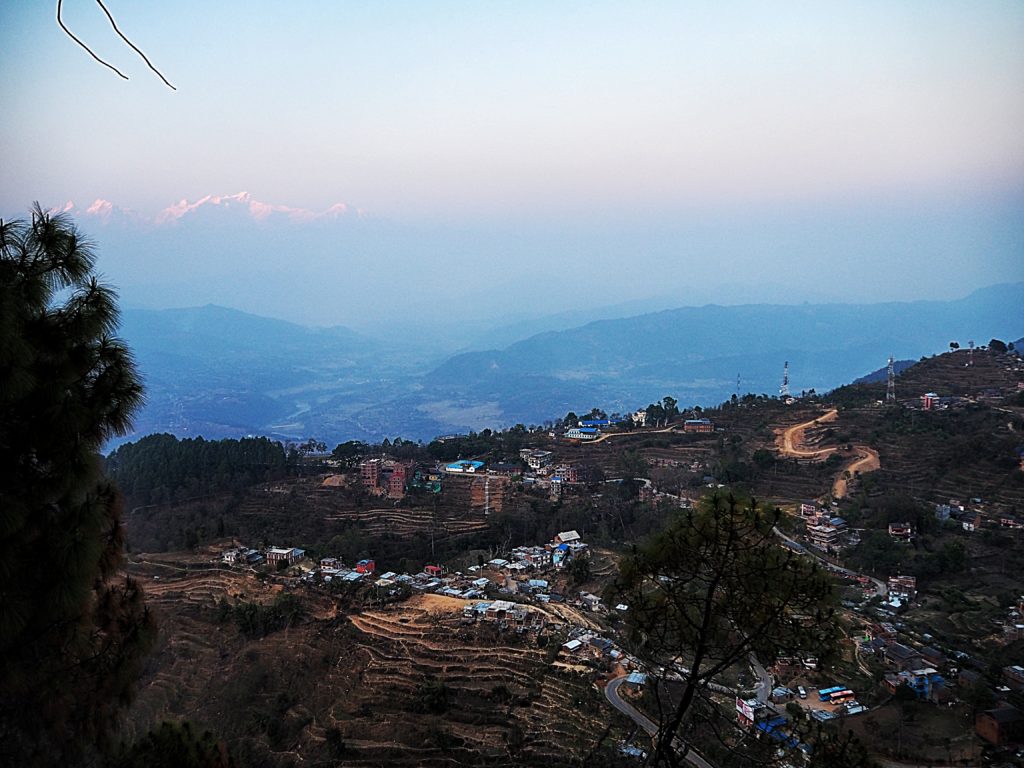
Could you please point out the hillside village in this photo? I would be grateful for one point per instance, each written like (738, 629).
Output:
(919, 527)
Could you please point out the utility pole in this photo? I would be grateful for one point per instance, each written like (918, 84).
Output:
(890, 389)
(784, 389)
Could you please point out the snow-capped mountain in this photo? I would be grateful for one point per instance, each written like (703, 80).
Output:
(240, 206)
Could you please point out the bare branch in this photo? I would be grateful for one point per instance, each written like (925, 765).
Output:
(133, 46)
(113, 23)
(88, 50)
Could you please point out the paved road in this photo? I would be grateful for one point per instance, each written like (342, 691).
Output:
(764, 680)
(880, 587)
(611, 692)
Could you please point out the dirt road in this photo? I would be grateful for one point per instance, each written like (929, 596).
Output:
(866, 461)
(790, 443)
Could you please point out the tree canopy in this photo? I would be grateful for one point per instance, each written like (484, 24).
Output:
(72, 632)
(713, 588)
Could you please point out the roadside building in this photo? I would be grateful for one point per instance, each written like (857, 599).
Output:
(903, 587)
(823, 536)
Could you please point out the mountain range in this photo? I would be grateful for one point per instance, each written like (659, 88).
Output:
(220, 372)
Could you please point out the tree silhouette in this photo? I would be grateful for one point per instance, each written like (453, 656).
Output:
(72, 631)
(708, 591)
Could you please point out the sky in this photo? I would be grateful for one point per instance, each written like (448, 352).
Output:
(844, 150)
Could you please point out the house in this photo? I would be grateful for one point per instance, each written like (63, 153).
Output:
(593, 602)
(972, 524)
(929, 400)
(636, 679)
(499, 609)
(287, 555)
(464, 467)
(369, 472)
(640, 419)
(505, 468)
(698, 425)
(385, 477)
(823, 536)
(582, 433)
(904, 587)
(942, 512)
(365, 566)
(434, 570)
(925, 682)
(566, 473)
(1003, 725)
(902, 657)
(232, 556)
(933, 657)
(330, 562)
(1013, 677)
(885, 631)
(903, 531)
(536, 459)
(567, 537)
(809, 509)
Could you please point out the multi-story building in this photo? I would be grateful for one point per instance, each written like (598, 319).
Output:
(698, 425)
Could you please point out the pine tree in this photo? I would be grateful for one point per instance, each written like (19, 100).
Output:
(73, 630)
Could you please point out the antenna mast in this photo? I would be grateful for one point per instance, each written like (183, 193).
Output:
(784, 389)
(890, 389)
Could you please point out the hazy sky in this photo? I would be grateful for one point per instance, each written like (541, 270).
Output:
(765, 138)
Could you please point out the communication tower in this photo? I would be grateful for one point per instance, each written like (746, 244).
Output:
(890, 389)
(970, 352)
(784, 389)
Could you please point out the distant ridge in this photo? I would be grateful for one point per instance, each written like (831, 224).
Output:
(882, 374)
(220, 372)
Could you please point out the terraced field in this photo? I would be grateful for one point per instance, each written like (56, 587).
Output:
(409, 684)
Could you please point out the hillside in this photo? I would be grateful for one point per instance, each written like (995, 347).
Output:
(696, 352)
(222, 373)
(465, 692)
(404, 684)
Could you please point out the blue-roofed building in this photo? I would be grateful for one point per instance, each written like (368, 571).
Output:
(464, 467)
(636, 678)
(596, 422)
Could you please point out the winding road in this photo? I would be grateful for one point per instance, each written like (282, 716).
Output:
(611, 692)
(790, 443)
